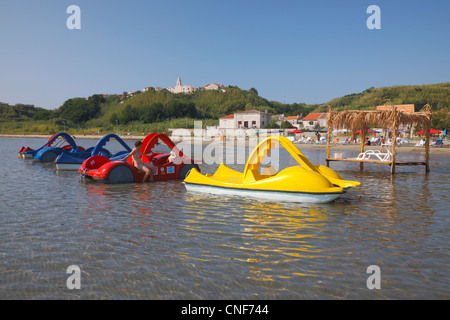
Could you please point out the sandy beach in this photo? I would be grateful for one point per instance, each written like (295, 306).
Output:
(410, 148)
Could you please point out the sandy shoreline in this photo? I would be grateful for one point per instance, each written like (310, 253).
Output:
(334, 147)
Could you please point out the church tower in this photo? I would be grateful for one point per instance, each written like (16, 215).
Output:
(179, 88)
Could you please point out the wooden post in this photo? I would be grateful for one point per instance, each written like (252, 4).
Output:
(427, 147)
(328, 146)
(363, 137)
(394, 141)
(329, 127)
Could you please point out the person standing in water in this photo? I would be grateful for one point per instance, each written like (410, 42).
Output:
(148, 168)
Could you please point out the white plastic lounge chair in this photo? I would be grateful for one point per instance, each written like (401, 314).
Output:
(421, 143)
(375, 155)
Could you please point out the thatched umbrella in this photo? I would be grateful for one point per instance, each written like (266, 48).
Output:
(390, 118)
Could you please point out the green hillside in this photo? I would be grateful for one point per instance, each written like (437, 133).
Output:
(437, 95)
(159, 110)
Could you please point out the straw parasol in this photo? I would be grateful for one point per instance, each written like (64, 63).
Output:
(390, 118)
(363, 119)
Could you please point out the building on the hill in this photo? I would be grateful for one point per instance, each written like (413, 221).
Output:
(227, 122)
(252, 119)
(312, 119)
(179, 88)
(213, 86)
(295, 121)
(408, 108)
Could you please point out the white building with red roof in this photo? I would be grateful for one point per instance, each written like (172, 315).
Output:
(251, 119)
(312, 119)
(295, 121)
(213, 86)
(227, 122)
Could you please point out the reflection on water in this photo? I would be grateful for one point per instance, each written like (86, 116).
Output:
(158, 241)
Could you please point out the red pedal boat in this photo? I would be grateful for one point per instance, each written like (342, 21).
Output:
(104, 170)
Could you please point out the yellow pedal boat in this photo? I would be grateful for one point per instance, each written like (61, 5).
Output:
(302, 183)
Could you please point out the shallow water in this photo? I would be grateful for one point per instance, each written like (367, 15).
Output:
(158, 241)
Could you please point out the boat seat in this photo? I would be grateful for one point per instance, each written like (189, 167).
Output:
(269, 171)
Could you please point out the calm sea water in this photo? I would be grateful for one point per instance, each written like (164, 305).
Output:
(158, 241)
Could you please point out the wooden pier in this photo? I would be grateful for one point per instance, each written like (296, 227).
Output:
(397, 163)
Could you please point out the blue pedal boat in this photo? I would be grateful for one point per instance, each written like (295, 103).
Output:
(57, 144)
(73, 160)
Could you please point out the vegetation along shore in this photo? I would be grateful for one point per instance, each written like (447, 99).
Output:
(155, 110)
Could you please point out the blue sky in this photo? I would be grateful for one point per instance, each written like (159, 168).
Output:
(290, 51)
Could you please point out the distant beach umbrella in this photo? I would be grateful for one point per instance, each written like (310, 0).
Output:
(368, 130)
(432, 131)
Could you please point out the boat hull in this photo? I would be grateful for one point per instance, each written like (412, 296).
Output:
(265, 195)
(26, 156)
(67, 166)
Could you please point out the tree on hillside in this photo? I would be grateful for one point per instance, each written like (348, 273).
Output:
(254, 91)
(80, 110)
(152, 113)
(441, 120)
(114, 118)
(43, 114)
(129, 114)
